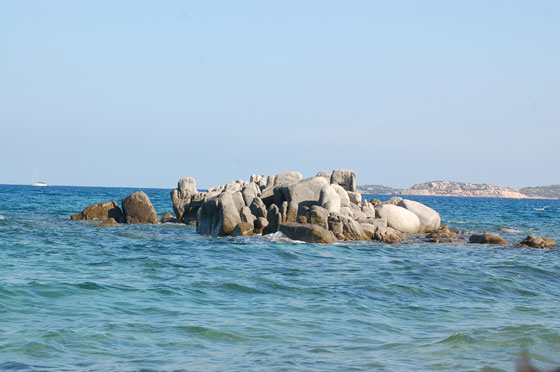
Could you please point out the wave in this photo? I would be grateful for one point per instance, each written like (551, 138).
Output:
(279, 237)
(1, 217)
(507, 229)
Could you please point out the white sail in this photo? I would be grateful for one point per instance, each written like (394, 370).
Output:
(35, 181)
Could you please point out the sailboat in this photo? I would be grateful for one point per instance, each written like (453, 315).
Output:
(35, 181)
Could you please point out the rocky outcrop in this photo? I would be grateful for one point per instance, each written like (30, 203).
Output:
(487, 238)
(532, 241)
(138, 209)
(307, 207)
(100, 211)
(307, 233)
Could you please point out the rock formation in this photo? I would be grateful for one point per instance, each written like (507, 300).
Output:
(487, 238)
(323, 208)
(100, 211)
(532, 241)
(138, 208)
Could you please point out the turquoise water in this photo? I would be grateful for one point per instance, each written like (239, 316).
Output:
(74, 297)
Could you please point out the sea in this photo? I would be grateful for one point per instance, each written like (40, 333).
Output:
(76, 297)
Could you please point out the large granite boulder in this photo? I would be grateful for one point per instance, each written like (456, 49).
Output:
(399, 218)
(250, 191)
(387, 235)
(247, 216)
(287, 178)
(260, 224)
(487, 238)
(329, 199)
(319, 216)
(352, 230)
(355, 197)
(326, 175)
(307, 233)
(344, 198)
(181, 196)
(100, 211)
(218, 216)
(138, 209)
(369, 229)
(430, 220)
(532, 241)
(274, 218)
(304, 193)
(395, 200)
(243, 229)
(258, 208)
(335, 225)
(345, 178)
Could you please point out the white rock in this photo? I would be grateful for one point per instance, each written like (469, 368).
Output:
(399, 218)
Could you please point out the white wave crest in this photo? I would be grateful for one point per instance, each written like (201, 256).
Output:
(279, 237)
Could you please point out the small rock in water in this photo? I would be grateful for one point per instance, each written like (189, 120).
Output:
(168, 217)
(443, 235)
(532, 241)
(109, 222)
(243, 229)
(487, 238)
(100, 211)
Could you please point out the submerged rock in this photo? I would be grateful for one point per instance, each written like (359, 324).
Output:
(109, 222)
(100, 211)
(487, 238)
(442, 235)
(532, 241)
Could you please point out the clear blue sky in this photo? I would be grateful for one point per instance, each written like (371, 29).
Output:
(141, 93)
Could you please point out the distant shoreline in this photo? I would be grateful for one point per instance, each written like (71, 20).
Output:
(464, 189)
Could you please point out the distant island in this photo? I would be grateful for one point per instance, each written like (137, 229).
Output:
(450, 188)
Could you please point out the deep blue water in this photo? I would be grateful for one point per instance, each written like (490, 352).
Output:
(75, 297)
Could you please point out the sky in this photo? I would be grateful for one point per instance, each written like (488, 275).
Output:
(141, 93)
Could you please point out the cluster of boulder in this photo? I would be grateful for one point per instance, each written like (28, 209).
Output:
(320, 209)
(530, 241)
(136, 209)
